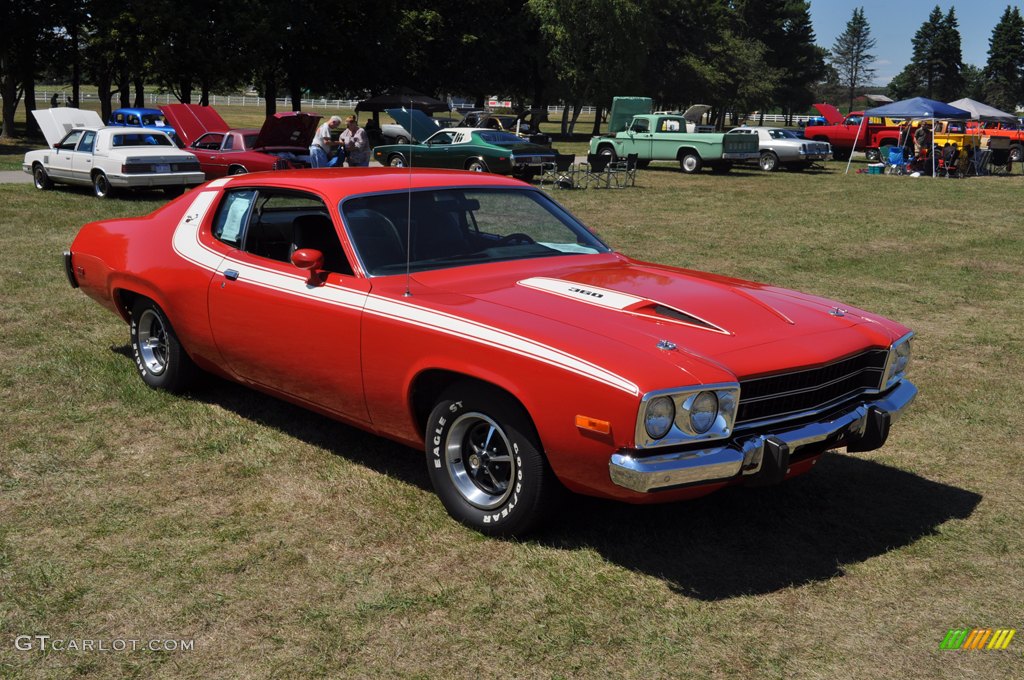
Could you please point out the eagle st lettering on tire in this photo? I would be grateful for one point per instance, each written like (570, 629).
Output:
(484, 461)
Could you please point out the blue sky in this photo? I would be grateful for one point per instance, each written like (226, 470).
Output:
(894, 22)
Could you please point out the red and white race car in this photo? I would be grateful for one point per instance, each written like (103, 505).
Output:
(473, 317)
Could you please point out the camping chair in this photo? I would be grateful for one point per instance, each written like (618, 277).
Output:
(596, 170)
(951, 161)
(999, 155)
(977, 162)
(895, 163)
(623, 171)
(561, 174)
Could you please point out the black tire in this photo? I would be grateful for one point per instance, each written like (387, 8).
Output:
(768, 162)
(101, 185)
(608, 151)
(40, 178)
(690, 162)
(1016, 153)
(401, 140)
(476, 165)
(396, 161)
(174, 192)
(159, 357)
(237, 170)
(872, 155)
(485, 463)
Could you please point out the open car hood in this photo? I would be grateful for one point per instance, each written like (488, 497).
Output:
(192, 121)
(624, 108)
(292, 128)
(415, 121)
(57, 122)
(695, 113)
(829, 113)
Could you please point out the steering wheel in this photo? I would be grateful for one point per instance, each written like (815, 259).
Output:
(515, 239)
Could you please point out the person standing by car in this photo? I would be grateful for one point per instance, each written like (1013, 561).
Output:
(322, 143)
(356, 143)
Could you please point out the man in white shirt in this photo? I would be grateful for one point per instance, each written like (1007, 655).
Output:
(322, 142)
(356, 143)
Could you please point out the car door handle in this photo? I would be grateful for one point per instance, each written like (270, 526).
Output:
(231, 274)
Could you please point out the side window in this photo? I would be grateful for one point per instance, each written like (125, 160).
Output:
(133, 120)
(639, 125)
(119, 119)
(88, 142)
(232, 216)
(229, 142)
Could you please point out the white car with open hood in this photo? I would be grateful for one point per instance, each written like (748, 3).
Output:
(83, 151)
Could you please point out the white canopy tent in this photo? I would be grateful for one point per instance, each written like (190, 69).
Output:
(983, 112)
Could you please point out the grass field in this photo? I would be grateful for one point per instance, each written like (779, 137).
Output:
(287, 545)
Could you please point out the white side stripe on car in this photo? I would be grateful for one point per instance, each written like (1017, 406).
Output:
(187, 244)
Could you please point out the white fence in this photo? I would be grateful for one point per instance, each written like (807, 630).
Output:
(285, 103)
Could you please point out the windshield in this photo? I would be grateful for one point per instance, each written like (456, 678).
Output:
(777, 133)
(142, 139)
(153, 120)
(458, 227)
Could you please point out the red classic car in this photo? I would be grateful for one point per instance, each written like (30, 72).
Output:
(470, 315)
(282, 143)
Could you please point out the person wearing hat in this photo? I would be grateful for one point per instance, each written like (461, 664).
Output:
(322, 143)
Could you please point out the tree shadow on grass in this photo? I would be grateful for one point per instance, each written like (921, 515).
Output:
(736, 542)
(753, 541)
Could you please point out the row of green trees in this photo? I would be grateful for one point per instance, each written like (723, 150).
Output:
(734, 54)
(937, 70)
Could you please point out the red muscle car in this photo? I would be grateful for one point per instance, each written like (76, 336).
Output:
(471, 316)
(282, 143)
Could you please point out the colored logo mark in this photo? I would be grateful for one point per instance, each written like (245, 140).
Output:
(977, 638)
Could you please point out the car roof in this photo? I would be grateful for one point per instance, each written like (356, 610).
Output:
(132, 109)
(338, 183)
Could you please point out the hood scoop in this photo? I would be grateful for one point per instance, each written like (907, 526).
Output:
(623, 302)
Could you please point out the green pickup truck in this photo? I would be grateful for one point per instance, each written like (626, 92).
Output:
(668, 137)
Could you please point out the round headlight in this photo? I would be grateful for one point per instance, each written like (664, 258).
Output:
(659, 416)
(703, 412)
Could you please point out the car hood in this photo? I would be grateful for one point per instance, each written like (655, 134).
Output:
(738, 326)
(192, 121)
(624, 108)
(57, 122)
(829, 113)
(695, 113)
(415, 121)
(293, 128)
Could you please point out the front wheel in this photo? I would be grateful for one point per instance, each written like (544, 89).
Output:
(485, 463)
(101, 186)
(40, 178)
(690, 162)
(609, 152)
(396, 161)
(768, 161)
(476, 165)
(159, 357)
(401, 140)
(872, 155)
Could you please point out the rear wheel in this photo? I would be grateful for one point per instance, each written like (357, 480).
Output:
(1016, 153)
(873, 155)
(485, 462)
(40, 178)
(237, 170)
(690, 162)
(769, 162)
(159, 357)
(101, 185)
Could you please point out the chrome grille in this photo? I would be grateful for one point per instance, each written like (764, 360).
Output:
(778, 396)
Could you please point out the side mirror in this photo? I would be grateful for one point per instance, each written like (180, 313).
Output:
(312, 260)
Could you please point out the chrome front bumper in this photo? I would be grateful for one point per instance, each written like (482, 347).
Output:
(765, 457)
